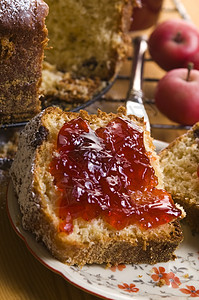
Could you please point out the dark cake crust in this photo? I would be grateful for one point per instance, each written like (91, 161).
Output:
(23, 36)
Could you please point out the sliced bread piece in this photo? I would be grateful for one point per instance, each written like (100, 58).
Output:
(147, 232)
(179, 162)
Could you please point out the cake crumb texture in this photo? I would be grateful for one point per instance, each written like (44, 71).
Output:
(179, 162)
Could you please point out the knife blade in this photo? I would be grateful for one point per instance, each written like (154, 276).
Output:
(134, 100)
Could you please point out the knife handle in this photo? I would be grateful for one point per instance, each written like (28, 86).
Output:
(135, 93)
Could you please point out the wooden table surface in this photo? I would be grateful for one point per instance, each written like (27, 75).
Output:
(22, 277)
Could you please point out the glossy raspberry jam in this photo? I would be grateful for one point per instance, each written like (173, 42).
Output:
(107, 173)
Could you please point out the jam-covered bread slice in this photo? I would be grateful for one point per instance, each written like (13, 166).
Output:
(91, 188)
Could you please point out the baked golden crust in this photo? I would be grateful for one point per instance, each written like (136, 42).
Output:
(90, 242)
(114, 250)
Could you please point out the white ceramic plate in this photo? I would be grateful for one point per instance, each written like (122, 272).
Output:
(174, 280)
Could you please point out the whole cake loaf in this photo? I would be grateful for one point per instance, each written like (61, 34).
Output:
(88, 41)
(23, 36)
(90, 187)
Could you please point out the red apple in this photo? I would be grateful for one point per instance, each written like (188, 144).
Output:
(177, 96)
(173, 43)
(193, 59)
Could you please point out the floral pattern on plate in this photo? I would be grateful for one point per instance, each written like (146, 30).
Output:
(174, 279)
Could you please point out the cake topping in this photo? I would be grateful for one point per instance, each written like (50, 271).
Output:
(26, 12)
(107, 173)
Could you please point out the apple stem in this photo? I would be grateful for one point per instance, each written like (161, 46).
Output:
(178, 38)
(189, 68)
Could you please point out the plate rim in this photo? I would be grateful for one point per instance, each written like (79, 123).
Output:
(25, 235)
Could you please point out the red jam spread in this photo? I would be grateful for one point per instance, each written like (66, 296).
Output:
(107, 173)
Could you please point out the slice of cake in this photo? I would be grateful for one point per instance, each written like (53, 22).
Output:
(180, 165)
(23, 36)
(90, 187)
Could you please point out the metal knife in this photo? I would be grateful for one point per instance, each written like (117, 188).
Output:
(134, 101)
